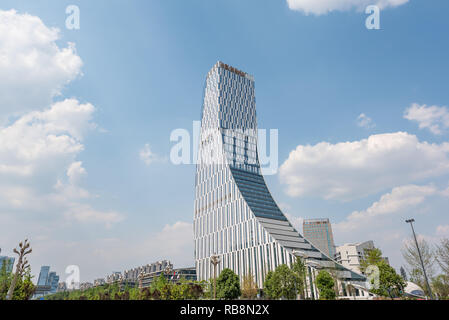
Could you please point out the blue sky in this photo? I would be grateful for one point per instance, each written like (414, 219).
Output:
(142, 66)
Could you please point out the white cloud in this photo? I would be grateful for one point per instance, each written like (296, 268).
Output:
(364, 121)
(45, 139)
(98, 256)
(442, 231)
(174, 242)
(295, 221)
(39, 172)
(319, 7)
(75, 172)
(446, 192)
(41, 193)
(65, 202)
(33, 68)
(384, 220)
(350, 170)
(86, 214)
(434, 118)
(398, 201)
(148, 156)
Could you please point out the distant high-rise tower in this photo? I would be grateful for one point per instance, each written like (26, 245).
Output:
(53, 280)
(43, 276)
(47, 281)
(8, 262)
(319, 233)
(235, 216)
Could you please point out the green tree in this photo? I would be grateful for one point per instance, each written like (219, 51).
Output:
(300, 270)
(288, 281)
(372, 257)
(403, 274)
(228, 285)
(442, 255)
(160, 288)
(21, 266)
(24, 287)
(134, 294)
(281, 284)
(196, 290)
(270, 287)
(249, 287)
(390, 283)
(182, 290)
(411, 256)
(5, 280)
(440, 286)
(325, 285)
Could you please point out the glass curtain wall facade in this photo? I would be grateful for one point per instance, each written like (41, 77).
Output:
(8, 262)
(43, 276)
(235, 216)
(319, 232)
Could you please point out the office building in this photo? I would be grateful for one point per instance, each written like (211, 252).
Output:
(8, 262)
(172, 275)
(143, 276)
(53, 280)
(47, 283)
(86, 286)
(115, 276)
(43, 276)
(133, 274)
(350, 255)
(319, 233)
(235, 216)
(99, 282)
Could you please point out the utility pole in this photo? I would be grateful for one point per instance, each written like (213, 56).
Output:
(420, 257)
(215, 260)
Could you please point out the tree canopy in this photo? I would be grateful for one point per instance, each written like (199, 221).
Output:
(282, 283)
(414, 267)
(24, 287)
(228, 285)
(325, 285)
(249, 287)
(390, 283)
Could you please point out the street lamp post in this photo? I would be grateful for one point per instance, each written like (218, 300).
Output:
(420, 257)
(215, 260)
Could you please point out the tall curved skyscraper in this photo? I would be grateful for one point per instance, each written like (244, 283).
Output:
(235, 216)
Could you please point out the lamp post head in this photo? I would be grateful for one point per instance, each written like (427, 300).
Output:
(410, 220)
(215, 259)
